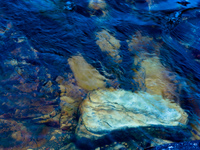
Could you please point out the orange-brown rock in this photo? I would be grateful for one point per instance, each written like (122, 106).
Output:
(69, 88)
(68, 105)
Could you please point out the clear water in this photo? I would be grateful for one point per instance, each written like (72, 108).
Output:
(126, 42)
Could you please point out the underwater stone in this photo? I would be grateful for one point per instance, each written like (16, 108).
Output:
(86, 75)
(109, 44)
(152, 77)
(114, 112)
(97, 4)
(156, 78)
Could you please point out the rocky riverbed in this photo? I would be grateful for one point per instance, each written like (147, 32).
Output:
(99, 74)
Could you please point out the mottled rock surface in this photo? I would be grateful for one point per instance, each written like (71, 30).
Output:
(107, 111)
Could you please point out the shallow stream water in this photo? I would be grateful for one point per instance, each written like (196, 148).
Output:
(51, 50)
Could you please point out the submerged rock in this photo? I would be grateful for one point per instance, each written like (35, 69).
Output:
(97, 4)
(156, 78)
(70, 98)
(195, 129)
(106, 114)
(15, 135)
(86, 75)
(27, 92)
(109, 44)
(97, 7)
(12, 133)
(157, 141)
(152, 76)
(69, 108)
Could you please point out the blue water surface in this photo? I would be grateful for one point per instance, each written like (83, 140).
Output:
(51, 34)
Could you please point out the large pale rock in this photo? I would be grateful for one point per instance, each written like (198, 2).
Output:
(106, 111)
(86, 75)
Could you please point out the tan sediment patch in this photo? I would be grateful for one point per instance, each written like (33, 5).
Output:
(155, 80)
(108, 43)
(152, 76)
(86, 75)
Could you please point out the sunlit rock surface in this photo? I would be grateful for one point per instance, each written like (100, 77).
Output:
(86, 75)
(106, 111)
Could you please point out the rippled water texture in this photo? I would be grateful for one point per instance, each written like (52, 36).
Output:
(99, 74)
